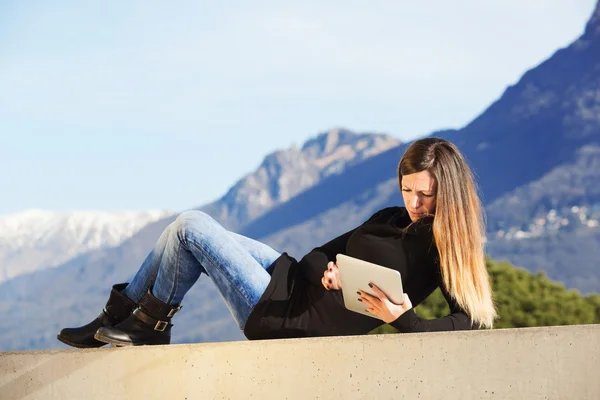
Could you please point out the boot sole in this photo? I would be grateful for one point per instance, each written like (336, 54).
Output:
(79, 345)
(115, 342)
(120, 343)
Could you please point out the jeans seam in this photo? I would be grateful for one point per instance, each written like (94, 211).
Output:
(241, 324)
(236, 287)
(176, 280)
(176, 277)
(151, 278)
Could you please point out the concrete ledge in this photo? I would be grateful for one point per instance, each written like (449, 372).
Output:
(533, 363)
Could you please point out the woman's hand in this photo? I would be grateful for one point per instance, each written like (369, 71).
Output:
(331, 277)
(382, 307)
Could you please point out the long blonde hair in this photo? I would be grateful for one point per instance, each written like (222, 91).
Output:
(458, 225)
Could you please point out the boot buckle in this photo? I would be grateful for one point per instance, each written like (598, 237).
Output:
(161, 326)
(174, 311)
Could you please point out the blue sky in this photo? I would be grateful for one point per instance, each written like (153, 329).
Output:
(134, 105)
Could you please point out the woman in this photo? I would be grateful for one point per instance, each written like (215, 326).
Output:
(436, 241)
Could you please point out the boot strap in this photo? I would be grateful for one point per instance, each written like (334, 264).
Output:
(174, 311)
(158, 324)
(107, 319)
(150, 303)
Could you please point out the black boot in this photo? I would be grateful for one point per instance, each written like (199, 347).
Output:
(150, 323)
(117, 309)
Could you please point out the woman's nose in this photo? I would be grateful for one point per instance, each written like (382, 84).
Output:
(415, 202)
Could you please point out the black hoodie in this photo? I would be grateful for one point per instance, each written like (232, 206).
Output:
(295, 303)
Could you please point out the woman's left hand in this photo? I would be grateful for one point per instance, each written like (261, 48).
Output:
(382, 307)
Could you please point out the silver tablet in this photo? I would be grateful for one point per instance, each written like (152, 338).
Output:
(356, 275)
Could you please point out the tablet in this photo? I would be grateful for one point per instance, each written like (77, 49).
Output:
(356, 275)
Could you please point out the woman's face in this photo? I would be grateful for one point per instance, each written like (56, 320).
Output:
(419, 194)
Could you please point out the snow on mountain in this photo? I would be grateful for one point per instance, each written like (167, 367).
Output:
(36, 239)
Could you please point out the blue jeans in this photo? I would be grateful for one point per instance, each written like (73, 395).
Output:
(194, 244)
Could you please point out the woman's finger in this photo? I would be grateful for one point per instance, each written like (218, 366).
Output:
(334, 276)
(378, 292)
(331, 273)
(331, 277)
(374, 311)
(328, 276)
(367, 299)
(373, 303)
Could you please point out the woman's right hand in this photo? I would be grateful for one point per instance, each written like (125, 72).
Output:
(331, 277)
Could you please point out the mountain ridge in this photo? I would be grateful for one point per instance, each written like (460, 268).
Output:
(283, 174)
(34, 239)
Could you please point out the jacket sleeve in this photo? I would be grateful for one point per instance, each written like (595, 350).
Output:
(314, 264)
(457, 320)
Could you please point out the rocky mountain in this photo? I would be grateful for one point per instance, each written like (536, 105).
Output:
(271, 184)
(528, 150)
(535, 154)
(36, 239)
(286, 173)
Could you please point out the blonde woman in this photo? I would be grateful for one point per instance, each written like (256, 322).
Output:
(436, 240)
(440, 197)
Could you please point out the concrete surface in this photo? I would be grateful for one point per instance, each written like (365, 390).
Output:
(533, 363)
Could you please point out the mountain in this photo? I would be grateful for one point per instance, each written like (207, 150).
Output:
(88, 277)
(572, 188)
(36, 239)
(535, 153)
(539, 133)
(286, 173)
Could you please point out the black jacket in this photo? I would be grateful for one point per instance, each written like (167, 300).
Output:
(295, 303)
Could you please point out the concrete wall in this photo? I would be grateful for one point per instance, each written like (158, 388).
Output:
(535, 363)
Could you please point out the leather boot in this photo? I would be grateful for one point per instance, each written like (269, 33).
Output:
(117, 309)
(149, 324)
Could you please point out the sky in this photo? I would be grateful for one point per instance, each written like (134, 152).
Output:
(137, 105)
